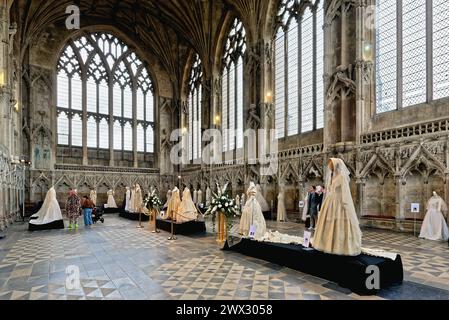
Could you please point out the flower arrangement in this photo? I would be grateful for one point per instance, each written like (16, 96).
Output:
(153, 202)
(221, 203)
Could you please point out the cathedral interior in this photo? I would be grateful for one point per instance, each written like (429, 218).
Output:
(198, 94)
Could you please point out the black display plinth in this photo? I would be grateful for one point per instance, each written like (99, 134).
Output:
(348, 272)
(59, 224)
(112, 210)
(133, 216)
(186, 228)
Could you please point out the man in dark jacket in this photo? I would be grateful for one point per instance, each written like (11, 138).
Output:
(315, 201)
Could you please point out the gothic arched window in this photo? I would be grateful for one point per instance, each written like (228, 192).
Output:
(195, 97)
(232, 88)
(299, 67)
(411, 65)
(90, 69)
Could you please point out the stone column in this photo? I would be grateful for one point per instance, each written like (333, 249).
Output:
(361, 196)
(400, 201)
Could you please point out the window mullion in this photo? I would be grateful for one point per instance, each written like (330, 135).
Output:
(300, 75)
(315, 71)
(429, 48)
(399, 55)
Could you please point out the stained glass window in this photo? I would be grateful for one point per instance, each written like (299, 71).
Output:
(298, 75)
(232, 88)
(87, 62)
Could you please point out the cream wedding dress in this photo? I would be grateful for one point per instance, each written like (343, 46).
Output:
(50, 211)
(187, 210)
(252, 215)
(434, 226)
(338, 230)
(173, 205)
(111, 201)
(281, 213)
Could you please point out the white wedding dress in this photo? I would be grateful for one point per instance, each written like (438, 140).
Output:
(111, 201)
(434, 226)
(50, 211)
(187, 210)
(127, 199)
(200, 197)
(252, 215)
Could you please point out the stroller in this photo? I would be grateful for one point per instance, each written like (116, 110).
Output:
(97, 215)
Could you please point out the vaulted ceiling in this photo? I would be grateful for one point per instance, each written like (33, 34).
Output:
(166, 28)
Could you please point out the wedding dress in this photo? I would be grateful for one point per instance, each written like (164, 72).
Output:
(195, 196)
(127, 199)
(434, 226)
(138, 200)
(93, 197)
(111, 201)
(252, 215)
(131, 199)
(338, 230)
(187, 210)
(260, 198)
(281, 213)
(200, 196)
(50, 211)
(173, 204)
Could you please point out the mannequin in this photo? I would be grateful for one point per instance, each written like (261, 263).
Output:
(93, 197)
(187, 210)
(173, 204)
(200, 197)
(195, 196)
(434, 226)
(131, 199)
(111, 201)
(262, 201)
(252, 215)
(281, 213)
(127, 199)
(208, 196)
(338, 230)
(49, 216)
(138, 200)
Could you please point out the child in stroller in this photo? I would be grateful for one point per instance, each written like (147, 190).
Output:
(97, 215)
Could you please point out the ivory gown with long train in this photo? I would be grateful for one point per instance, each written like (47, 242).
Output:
(187, 210)
(252, 215)
(50, 211)
(338, 230)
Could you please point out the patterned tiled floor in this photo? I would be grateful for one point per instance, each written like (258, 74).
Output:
(117, 261)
